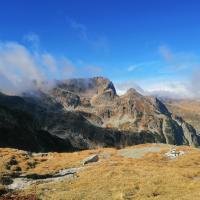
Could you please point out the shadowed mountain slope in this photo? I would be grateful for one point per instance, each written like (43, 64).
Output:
(85, 113)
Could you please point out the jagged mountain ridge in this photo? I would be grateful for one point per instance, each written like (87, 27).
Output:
(130, 112)
(84, 113)
(39, 124)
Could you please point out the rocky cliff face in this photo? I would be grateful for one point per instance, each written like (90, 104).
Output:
(130, 112)
(85, 113)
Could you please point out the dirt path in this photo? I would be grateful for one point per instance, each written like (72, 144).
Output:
(24, 181)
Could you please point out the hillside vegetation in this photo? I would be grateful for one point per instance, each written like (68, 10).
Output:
(115, 176)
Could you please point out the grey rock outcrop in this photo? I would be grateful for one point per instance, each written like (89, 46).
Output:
(90, 159)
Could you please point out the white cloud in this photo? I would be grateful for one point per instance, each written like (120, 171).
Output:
(183, 68)
(172, 89)
(68, 69)
(50, 62)
(178, 61)
(33, 39)
(22, 69)
(161, 87)
(94, 70)
(80, 28)
(60, 68)
(166, 53)
(132, 68)
(100, 42)
(141, 65)
(18, 66)
(123, 86)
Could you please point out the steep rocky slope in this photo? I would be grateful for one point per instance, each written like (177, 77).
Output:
(132, 112)
(20, 128)
(189, 109)
(84, 113)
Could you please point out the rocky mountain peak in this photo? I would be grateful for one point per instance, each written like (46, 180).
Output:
(132, 92)
(88, 112)
(104, 85)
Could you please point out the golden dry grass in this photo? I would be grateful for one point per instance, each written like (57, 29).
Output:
(51, 163)
(115, 177)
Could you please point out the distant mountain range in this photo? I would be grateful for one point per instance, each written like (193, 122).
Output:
(87, 113)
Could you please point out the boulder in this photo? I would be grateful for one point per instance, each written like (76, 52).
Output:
(173, 153)
(90, 159)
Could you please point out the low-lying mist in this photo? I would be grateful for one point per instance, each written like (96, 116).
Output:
(24, 70)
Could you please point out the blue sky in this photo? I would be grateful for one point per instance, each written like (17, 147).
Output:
(151, 43)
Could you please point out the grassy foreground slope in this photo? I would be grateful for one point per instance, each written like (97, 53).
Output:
(117, 175)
